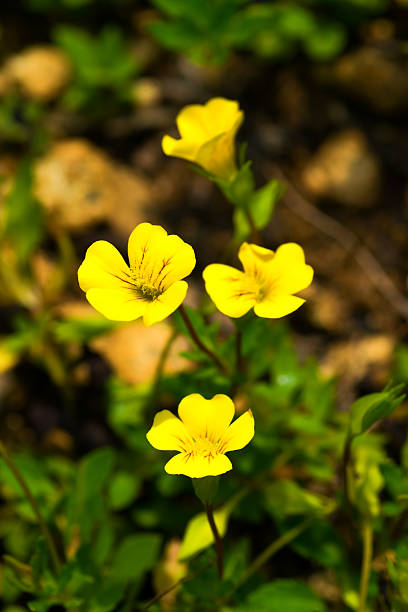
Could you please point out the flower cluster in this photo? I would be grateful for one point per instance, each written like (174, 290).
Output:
(151, 286)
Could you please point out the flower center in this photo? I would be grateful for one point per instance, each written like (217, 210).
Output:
(265, 290)
(145, 289)
(147, 292)
(203, 447)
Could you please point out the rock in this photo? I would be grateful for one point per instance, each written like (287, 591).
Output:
(345, 170)
(378, 79)
(58, 440)
(324, 584)
(354, 359)
(146, 92)
(79, 186)
(133, 351)
(41, 72)
(47, 274)
(329, 308)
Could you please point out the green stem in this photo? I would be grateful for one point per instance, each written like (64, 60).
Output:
(217, 539)
(33, 503)
(266, 554)
(198, 342)
(255, 237)
(367, 533)
(158, 376)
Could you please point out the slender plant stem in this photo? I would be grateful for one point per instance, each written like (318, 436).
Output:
(255, 237)
(217, 539)
(273, 548)
(33, 503)
(174, 586)
(198, 342)
(367, 533)
(160, 369)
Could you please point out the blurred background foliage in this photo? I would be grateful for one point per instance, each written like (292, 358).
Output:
(87, 89)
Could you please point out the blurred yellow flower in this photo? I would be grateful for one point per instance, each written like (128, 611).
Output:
(202, 435)
(207, 136)
(267, 283)
(150, 287)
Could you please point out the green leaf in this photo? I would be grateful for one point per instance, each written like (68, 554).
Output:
(103, 544)
(198, 534)
(106, 596)
(82, 329)
(240, 189)
(321, 544)
(263, 201)
(123, 489)
(86, 504)
(94, 470)
(24, 221)
(290, 595)
(296, 22)
(367, 482)
(326, 41)
(371, 408)
(285, 498)
(102, 63)
(136, 555)
(174, 36)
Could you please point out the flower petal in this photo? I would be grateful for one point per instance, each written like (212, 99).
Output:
(185, 149)
(230, 290)
(194, 123)
(255, 258)
(167, 432)
(117, 304)
(206, 418)
(143, 243)
(240, 433)
(158, 258)
(217, 155)
(176, 259)
(103, 267)
(207, 135)
(290, 270)
(166, 303)
(224, 115)
(197, 466)
(278, 306)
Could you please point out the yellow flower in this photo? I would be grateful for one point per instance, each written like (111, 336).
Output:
(207, 136)
(267, 283)
(151, 287)
(202, 435)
